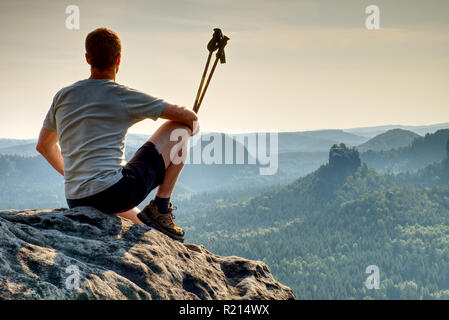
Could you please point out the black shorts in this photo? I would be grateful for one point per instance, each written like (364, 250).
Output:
(143, 173)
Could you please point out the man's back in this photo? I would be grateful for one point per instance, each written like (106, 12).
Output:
(91, 118)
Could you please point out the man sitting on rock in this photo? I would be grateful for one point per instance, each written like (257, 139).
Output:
(90, 119)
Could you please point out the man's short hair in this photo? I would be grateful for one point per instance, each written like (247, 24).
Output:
(102, 47)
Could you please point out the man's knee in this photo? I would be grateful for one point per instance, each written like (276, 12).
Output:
(170, 129)
(175, 125)
(172, 141)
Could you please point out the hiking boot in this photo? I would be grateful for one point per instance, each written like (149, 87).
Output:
(163, 222)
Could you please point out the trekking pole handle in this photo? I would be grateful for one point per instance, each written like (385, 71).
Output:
(213, 43)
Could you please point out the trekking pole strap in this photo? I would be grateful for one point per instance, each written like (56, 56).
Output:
(221, 45)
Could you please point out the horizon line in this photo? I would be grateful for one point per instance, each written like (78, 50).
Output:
(242, 131)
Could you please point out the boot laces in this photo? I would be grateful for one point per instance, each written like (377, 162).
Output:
(173, 208)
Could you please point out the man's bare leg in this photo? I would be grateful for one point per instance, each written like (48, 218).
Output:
(161, 138)
(164, 191)
(131, 215)
(171, 177)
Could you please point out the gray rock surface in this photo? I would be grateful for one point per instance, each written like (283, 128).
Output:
(84, 254)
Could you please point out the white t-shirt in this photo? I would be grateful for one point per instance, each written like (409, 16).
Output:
(92, 118)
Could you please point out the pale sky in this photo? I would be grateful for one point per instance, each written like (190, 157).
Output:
(293, 65)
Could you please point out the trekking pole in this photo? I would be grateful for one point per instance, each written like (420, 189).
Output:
(220, 56)
(211, 47)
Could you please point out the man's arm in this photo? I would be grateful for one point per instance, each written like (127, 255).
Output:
(183, 115)
(49, 148)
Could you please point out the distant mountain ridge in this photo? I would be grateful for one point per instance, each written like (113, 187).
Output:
(24, 150)
(315, 141)
(371, 132)
(296, 141)
(392, 139)
(4, 143)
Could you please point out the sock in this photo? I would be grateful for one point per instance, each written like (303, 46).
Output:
(162, 204)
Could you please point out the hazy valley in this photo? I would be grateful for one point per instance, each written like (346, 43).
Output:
(329, 211)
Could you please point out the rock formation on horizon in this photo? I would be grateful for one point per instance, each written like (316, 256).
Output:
(84, 254)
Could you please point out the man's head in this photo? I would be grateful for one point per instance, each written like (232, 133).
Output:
(103, 48)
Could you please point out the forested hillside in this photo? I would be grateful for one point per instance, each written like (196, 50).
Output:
(421, 152)
(320, 233)
(29, 182)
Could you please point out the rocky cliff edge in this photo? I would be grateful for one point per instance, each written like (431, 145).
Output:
(84, 254)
